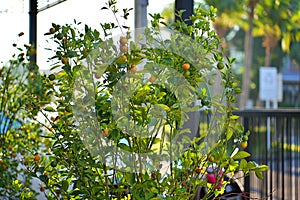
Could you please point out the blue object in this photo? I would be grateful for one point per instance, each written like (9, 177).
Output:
(6, 124)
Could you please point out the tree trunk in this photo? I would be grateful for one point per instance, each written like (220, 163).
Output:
(270, 42)
(268, 57)
(248, 56)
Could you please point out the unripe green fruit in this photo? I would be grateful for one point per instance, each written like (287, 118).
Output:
(53, 163)
(220, 65)
(51, 77)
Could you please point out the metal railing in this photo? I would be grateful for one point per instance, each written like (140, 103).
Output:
(274, 141)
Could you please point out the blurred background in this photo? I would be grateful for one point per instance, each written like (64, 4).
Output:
(256, 32)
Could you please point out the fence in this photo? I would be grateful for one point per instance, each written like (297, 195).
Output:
(274, 141)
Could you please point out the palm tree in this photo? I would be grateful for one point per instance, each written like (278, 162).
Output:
(229, 13)
(248, 49)
(277, 20)
(168, 13)
(241, 13)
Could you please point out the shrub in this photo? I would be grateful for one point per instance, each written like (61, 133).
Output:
(119, 111)
(20, 137)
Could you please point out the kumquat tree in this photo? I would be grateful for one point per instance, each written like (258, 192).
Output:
(118, 116)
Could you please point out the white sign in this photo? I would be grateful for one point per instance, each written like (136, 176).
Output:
(268, 83)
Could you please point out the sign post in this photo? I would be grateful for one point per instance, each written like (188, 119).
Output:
(268, 92)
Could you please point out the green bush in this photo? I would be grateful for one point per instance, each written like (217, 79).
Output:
(20, 137)
(117, 109)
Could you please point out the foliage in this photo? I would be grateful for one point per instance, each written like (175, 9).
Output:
(105, 118)
(275, 21)
(19, 136)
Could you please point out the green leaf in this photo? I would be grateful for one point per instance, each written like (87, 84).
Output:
(132, 178)
(259, 175)
(262, 168)
(49, 109)
(229, 134)
(247, 133)
(161, 94)
(76, 68)
(251, 165)
(241, 154)
(153, 190)
(234, 117)
(64, 185)
(124, 147)
(76, 192)
(73, 33)
(44, 179)
(243, 164)
(286, 42)
(163, 106)
(239, 128)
